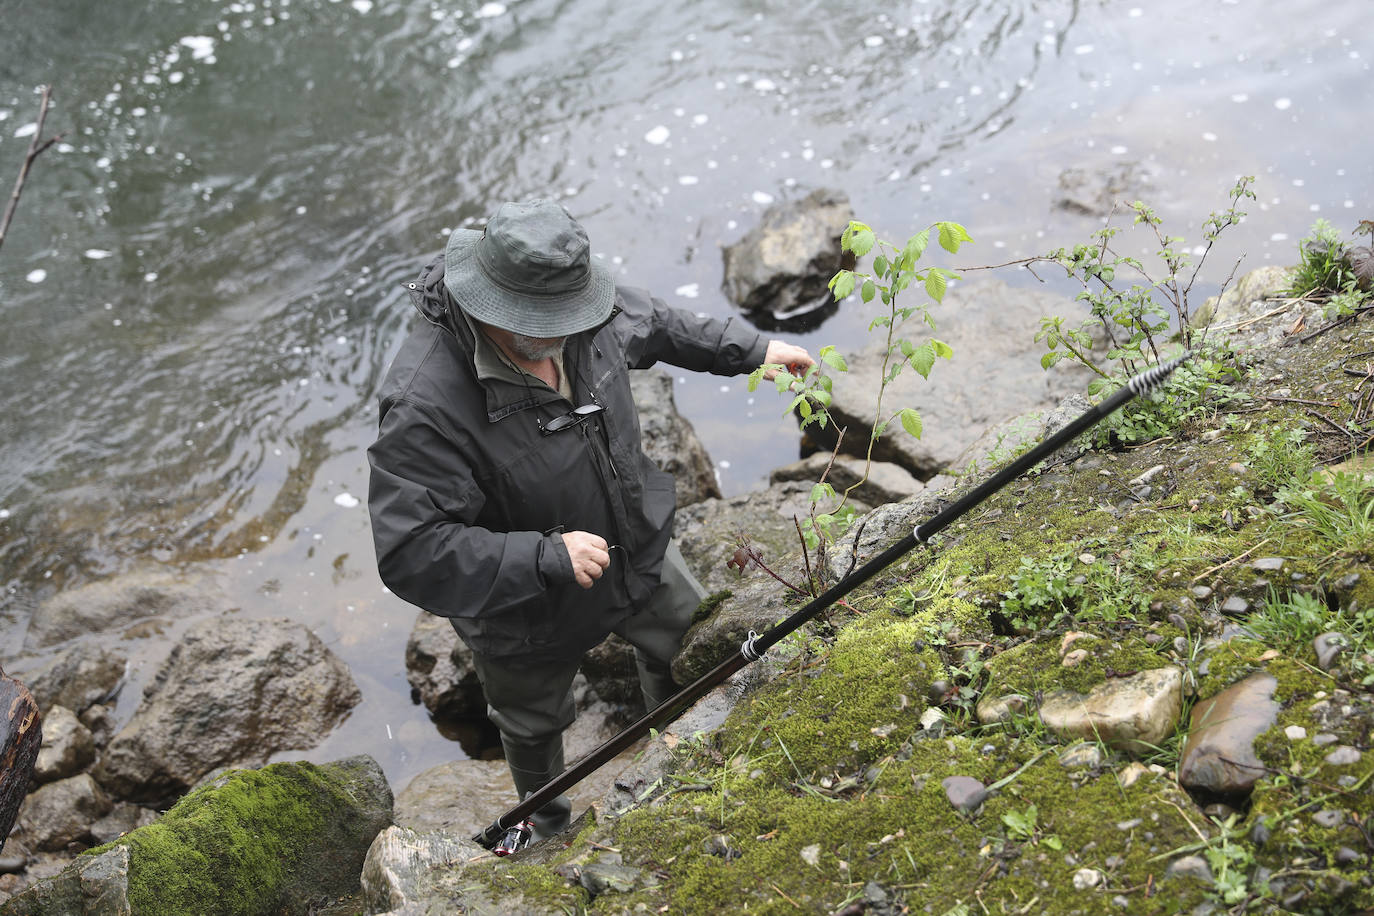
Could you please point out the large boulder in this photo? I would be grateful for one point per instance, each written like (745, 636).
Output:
(61, 813)
(231, 693)
(276, 840)
(440, 672)
(995, 374)
(403, 865)
(669, 439)
(78, 677)
(116, 603)
(1256, 311)
(779, 273)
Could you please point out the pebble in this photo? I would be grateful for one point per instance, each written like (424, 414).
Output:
(1343, 756)
(1202, 592)
(1268, 564)
(1324, 739)
(1190, 867)
(1347, 856)
(811, 855)
(1086, 879)
(1329, 647)
(1235, 606)
(1074, 658)
(1133, 823)
(1329, 817)
(964, 792)
(1082, 755)
(1295, 732)
(1148, 476)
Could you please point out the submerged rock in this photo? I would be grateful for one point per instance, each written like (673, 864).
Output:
(1219, 755)
(116, 603)
(779, 273)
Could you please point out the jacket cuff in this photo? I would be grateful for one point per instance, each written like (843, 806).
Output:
(555, 564)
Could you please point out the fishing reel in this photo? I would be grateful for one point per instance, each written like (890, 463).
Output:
(515, 839)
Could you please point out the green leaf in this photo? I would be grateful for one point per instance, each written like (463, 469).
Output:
(936, 284)
(915, 247)
(911, 421)
(822, 491)
(831, 357)
(862, 241)
(942, 349)
(880, 265)
(952, 235)
(1049, 359)
(842, 284)
(868, 290)
(923, 360)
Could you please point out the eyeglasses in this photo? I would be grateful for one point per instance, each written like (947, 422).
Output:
(571, 418)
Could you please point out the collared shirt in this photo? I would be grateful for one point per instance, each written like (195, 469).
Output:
(490, 362)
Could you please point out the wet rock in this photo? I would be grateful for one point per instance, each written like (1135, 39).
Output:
(231, 693)
(68, 747)
(77, 677)
(115, 603)
(1329, 647)
(440, 672)
(1002, 441)
(1128, 713)
(964, 792)
(995, 350)
(600, 877)
(756, 604)
(669, 439)
(611, 671)
(780, 271)
(1235, 606)
(1097, 191)
(1219, 753)
(402, 864)
(883, 483)
(61, 813)
(460, 797)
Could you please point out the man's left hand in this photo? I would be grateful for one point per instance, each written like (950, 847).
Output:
(796, 359)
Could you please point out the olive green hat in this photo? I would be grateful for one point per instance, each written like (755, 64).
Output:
(530, 271)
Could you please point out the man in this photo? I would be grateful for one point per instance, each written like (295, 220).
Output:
(509, 492)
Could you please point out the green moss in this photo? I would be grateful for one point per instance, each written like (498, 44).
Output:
(1037, 666)
(232, 856)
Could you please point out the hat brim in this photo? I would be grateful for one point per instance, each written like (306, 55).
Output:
(523, 313)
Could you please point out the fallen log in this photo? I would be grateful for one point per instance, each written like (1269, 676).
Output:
(21, 733)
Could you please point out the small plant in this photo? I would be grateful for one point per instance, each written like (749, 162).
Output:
(1333, 271)
(1295, 620)
(1339, 509)
(1280, 459)
(1075, 584)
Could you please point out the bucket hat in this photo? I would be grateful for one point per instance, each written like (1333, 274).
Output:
(530, 271)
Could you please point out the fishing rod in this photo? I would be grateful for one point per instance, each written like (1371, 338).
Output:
(512, 830)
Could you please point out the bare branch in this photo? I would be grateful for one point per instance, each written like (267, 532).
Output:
(36, 146)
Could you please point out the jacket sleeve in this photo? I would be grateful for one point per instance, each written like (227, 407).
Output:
(423, 500)
(652, 331)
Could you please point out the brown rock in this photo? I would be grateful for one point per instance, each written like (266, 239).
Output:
(1219, 755)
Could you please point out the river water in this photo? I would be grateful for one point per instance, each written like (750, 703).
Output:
(202, 285)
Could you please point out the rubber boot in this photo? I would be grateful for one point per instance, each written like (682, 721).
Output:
(533, 762)
(655, 681)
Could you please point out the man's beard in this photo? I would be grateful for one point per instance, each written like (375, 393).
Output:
(536, 348)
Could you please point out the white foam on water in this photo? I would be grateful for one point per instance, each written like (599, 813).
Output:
(688, 180)
(700, 119)
(873, 41)
(657, 135)
(362, 6)
(36, 276)
(1083, 49)
(491, 10)
(688, 290)
(765, 85)
(1283, 104)
(28, 130)
(347, 500)
(762, 197)
(150, 277)
(202, 47)
(98, 254)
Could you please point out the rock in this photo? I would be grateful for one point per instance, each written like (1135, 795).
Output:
(755, 604)
(993, 709)
(1003, 441)
(879, 529)
(1219, 753)
(600, 877)
(123, 818)
(964, 792)
(779, 273)
(1097, 191)
(68, 747)
(612, 672)
(1086, 879)
(116, 603)
(401, 863)
(440, 672)
(1343, 756)
(669, 439)
(1329, 647)
(1242, 312)
(90, 886)
(995, 374)
(1128, 713)
(288, 836)
(78, 677)
(1190, 867)
(232, 692)
(1235, 606)
(885, 482)
(61, 812)
(1082, 756)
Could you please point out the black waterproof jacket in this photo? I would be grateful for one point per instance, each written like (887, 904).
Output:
(468, 494)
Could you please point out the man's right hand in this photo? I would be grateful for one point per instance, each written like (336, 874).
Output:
(590, 556)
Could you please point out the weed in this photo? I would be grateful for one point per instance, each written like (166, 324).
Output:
(1339, 510)
(1281, 458)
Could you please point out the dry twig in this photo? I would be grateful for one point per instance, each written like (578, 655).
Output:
(36, 146)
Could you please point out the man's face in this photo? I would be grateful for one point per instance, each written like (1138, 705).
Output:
(535, 348)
